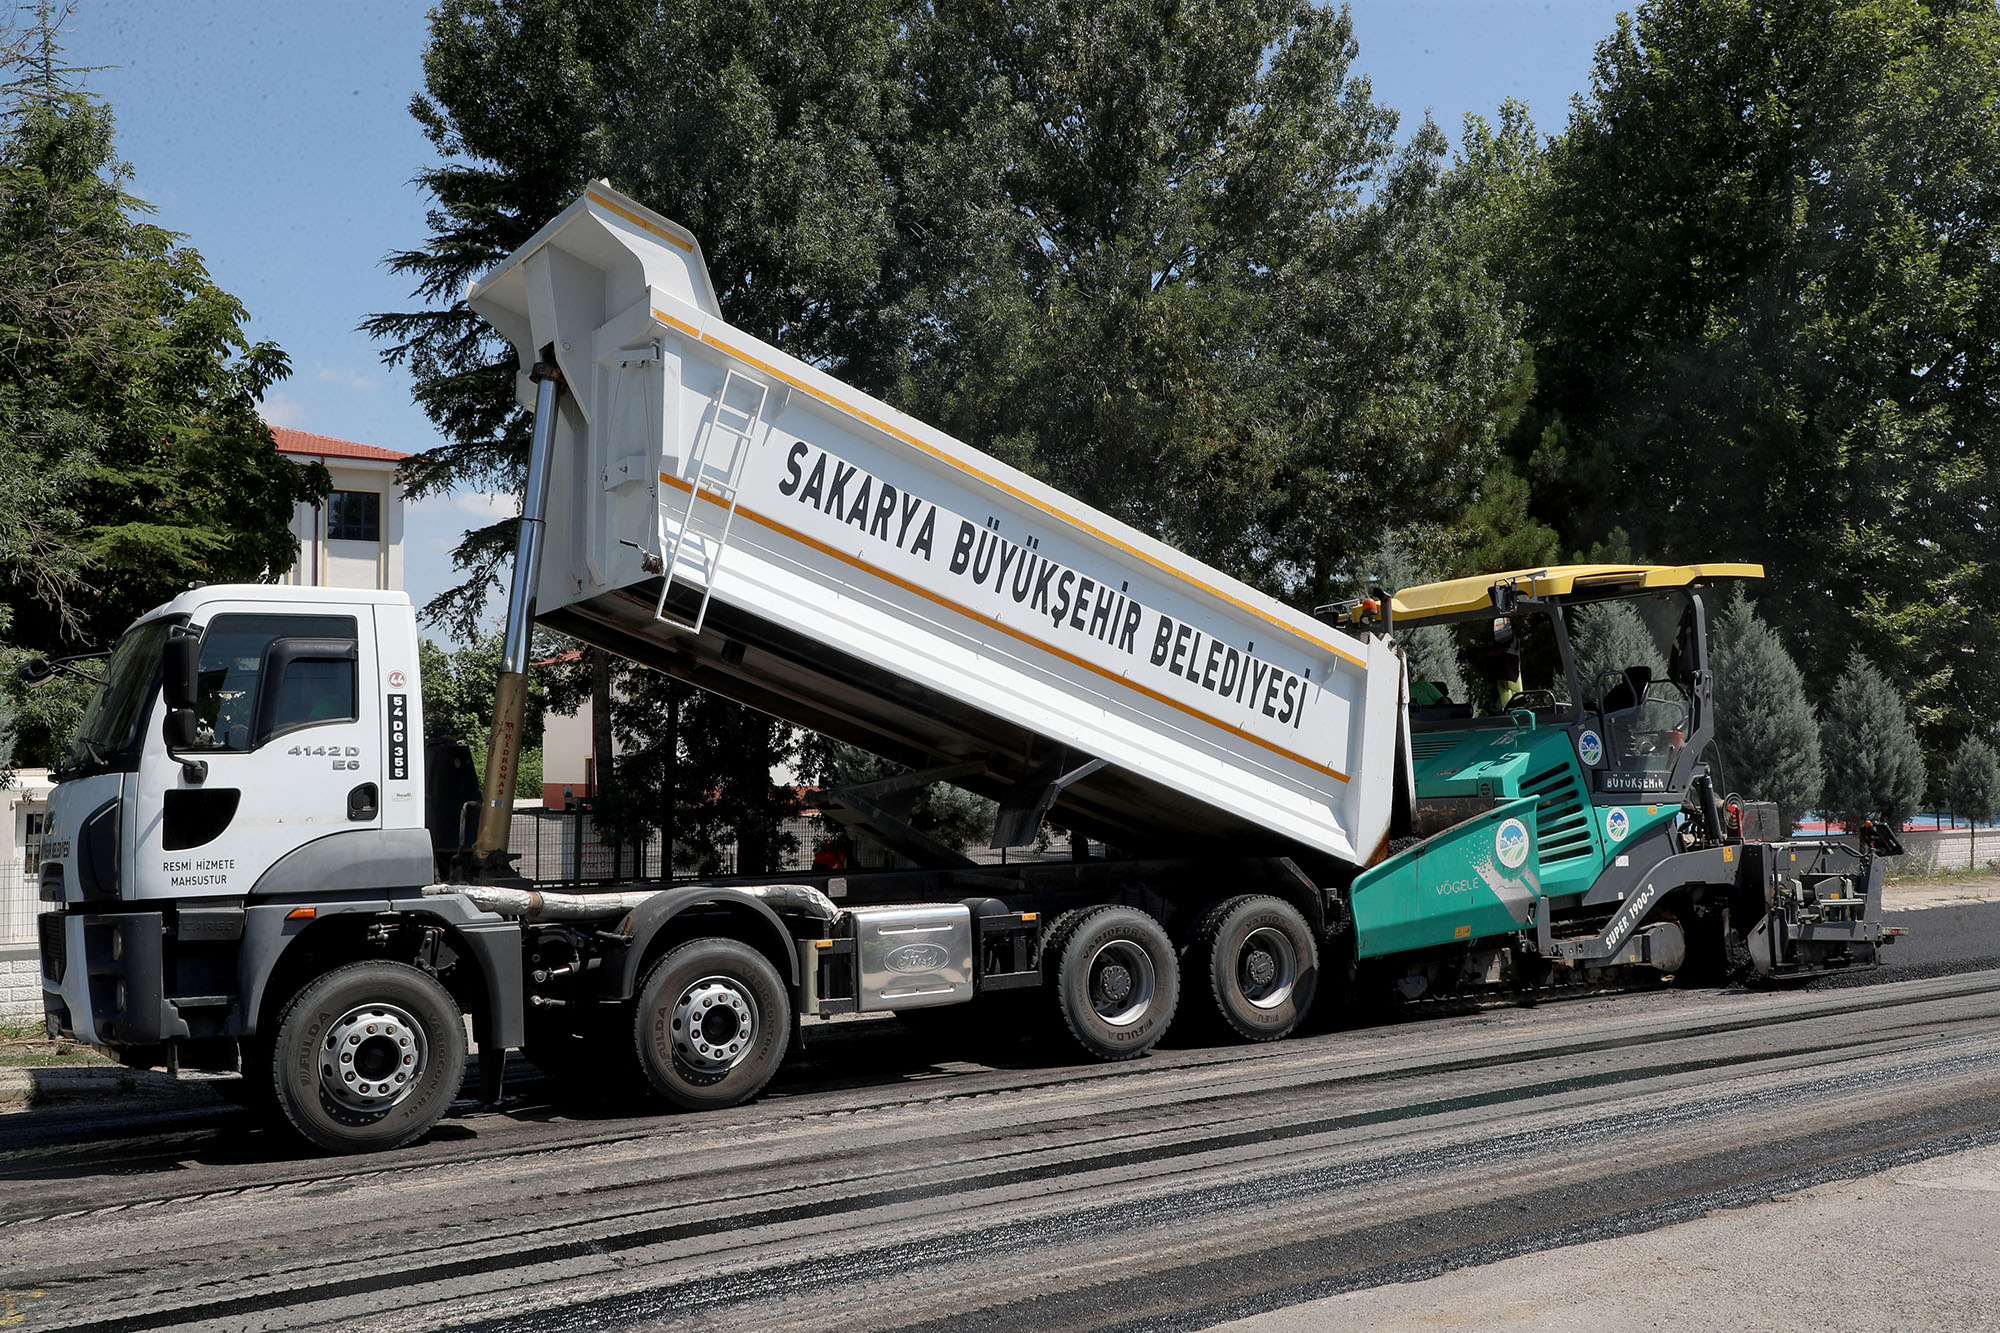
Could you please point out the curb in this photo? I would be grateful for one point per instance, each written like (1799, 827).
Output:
(114, 1088)
(37, 1087)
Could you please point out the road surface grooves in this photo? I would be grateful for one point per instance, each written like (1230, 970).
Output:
(1188, 1187)
(59, 1162)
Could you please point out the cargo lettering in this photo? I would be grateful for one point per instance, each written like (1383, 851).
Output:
(866, 502)
(1221, 670)
(1074, 603)
(198, 872)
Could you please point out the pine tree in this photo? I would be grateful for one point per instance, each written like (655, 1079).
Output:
(1764, 724)
(1611, 637)
(1430, 650)
(1973, 786)
(1874, 766)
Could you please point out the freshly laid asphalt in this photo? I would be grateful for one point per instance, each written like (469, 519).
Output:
(1914, 1247)
(1909, 1248)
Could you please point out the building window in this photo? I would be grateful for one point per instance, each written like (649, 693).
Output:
(354, 516)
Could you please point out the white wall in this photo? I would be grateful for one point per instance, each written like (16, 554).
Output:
(20, 964)
(566, 749)
(349, 564)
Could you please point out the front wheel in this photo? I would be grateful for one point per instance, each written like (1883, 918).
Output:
(368, 1056)
(713, 1024)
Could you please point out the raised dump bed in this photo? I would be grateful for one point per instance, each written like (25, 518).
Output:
(726, 513)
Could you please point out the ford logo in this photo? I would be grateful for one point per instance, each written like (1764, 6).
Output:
(911, 958)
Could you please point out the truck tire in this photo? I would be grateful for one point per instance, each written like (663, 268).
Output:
(714, 1022)
(368, 1056)
(1258, 964)
(1116, 980)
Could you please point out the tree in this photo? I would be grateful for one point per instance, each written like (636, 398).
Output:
(459, 686)
(1757, 270)
(1405, 561)
(756, 130)
(1973, 785)
(132, 458)
(691, 766)
(1168, 258)
(1181, 271)
(1764, 724)
(940, 811)
(1610, 637)
(1874, 766)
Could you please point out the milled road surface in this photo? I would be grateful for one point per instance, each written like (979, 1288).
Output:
(887, 1185)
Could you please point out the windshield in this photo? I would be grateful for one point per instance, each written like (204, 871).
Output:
(111, 722)
(1515, 663)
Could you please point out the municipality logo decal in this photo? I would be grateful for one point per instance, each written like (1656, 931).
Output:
(1590, 749)
(1510, 844)
(1617, 824)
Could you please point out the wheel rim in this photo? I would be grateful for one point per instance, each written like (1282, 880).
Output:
(373, 1057)
(715, 1025)
(1267, 967)
(1121, 983)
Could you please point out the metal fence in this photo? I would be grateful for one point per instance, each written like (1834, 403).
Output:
(566, 847)
(18, 905)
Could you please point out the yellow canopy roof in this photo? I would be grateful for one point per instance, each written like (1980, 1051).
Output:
(1470, 596)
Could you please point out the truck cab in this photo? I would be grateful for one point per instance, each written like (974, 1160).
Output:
(246, 786)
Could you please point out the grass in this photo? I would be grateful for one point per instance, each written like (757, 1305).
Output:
(24, 1043)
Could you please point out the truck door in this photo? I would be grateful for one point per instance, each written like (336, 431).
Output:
(290, 743)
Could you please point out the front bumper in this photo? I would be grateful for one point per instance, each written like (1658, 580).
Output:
(102, 978)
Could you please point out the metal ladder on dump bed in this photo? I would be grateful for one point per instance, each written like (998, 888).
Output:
(733, 419)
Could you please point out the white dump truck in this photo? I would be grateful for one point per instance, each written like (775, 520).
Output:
(249, 866)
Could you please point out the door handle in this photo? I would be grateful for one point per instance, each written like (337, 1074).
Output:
(364, 802)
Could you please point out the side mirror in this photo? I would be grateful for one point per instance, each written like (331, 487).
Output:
(181, 668)
(180, 679)
(36, 670)
(182, 729)
(1503, 633)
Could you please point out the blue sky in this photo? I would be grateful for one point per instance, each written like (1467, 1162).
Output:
(276, 134)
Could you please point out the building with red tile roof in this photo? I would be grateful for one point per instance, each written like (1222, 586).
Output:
(355, 538)
(305, 443)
